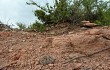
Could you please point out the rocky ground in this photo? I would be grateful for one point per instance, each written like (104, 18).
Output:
(79, 49)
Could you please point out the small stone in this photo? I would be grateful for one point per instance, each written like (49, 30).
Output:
(52, 32)
(85, 21)
(47, 59)
(36, 63)
(70, 32)
(23, 33)
(0, 51)
(35, 34)
(51, 65)
(10, 50)
(86, 69)
(84, 28)
(97, 64)
(105, 26)
(41, 49)
(23, 50)
(23, 40)
(47, 69)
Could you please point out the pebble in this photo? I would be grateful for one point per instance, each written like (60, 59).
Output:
(51, 65)
(23, 40)
(10, 50)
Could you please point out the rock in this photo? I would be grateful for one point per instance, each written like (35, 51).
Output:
(97, 64)
(84, 28)
(10, 50)
(90, 24)
(51, 65)
(77, 65)
(86, 69)
(52, 32)
(16, 57)
(85, 21)
(47, 69)
(70, 32)
(94, 32)
(47, 59)
(23, 40)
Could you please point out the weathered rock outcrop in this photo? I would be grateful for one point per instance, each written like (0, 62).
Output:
(86, 39)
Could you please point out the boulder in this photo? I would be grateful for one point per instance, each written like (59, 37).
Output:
(88, 24)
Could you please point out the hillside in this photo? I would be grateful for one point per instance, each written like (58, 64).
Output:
(78, 49)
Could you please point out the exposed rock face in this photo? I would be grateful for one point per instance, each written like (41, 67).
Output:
(88, 38)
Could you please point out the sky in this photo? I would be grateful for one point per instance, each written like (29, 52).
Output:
(13, 11)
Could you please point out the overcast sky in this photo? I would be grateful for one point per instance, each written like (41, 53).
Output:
(12, 11)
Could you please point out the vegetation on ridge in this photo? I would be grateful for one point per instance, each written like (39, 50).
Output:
(72, 11)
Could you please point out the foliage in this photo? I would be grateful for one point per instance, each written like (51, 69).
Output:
(104, 10)
(74, 11)
(37, 26)
(21, 26)
(53, 14)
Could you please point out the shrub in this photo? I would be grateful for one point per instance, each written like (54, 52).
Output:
(104, 10)
(73, 11)
(37, 26)
(106, 18)
(53, 14)
(21, 26)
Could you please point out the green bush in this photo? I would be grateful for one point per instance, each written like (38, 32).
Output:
(74, 11)
(60, 12)
(37, 26)
(106, 18)
(21, 26)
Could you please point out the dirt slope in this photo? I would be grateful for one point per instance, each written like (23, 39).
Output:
(81, 50)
